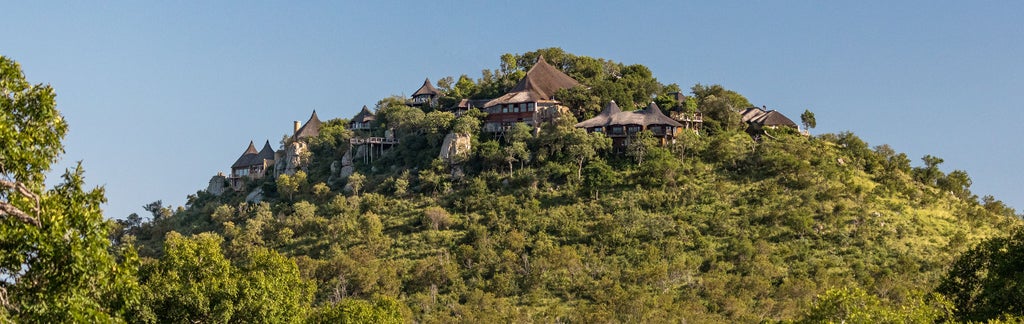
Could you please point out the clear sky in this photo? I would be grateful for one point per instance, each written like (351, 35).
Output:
(162, 95)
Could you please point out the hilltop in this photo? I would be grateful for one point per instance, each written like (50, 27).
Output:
(566, 188)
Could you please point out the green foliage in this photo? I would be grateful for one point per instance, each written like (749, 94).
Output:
(986, 282)
(196, 282)
(807, 118)
(381, 310)
(855, 305)
(55, 264)
(549, 224)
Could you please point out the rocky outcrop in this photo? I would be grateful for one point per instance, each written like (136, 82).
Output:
(255, 196)
(455, 148)
(218, 184)
(291, 159)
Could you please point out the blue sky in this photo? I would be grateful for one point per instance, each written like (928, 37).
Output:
(161, 96)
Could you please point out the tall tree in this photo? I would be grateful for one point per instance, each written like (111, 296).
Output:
(54, 264)
(807, 118)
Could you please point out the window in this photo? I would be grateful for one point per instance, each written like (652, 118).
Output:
(633, 129)
(597, 129)
(504, 108)
(530, 107)
(617, 130)
(515, 107)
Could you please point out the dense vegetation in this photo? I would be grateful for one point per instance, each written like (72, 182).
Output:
(556, 226)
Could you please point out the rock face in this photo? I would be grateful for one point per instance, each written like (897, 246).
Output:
(345, 166)
(255, 196)
(291, 159)
(455, 148)
(217, 184)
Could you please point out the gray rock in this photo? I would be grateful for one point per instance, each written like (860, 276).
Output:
(255, 196)
(217, 185)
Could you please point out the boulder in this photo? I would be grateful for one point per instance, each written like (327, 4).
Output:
(455, 148)
(218, 184)
(255, 196)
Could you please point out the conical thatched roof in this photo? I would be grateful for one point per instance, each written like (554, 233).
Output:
(602, 119)
(364, 115)
(267, 153)
(540, 83)
(427, 89)
(612, 116)
(310, 129)
(248, 158)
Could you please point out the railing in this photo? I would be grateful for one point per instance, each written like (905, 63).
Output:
(693, 117)
(372, 140)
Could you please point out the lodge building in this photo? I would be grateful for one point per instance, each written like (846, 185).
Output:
(620, 125)
(531, 101)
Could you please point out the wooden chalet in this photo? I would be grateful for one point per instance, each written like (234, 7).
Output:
(763, 118)
(251, 164)
(693, 121)
(467, 104)
(425, 95)
(534, 93)
(362, 120)
(620, 125)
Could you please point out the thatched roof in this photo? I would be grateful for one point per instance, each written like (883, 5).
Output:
(249, 157)
(540, 83)
(602, 119)
(310, 129)
(613, 116)
(471, 103)
(364, 116)
(267, 153)
(427, 89)
(759, 116)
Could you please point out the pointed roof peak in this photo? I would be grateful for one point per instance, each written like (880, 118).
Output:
(611, 108)
(426, 89)
(364, 115)
(247, 157)
(267, 153)
(310, 129)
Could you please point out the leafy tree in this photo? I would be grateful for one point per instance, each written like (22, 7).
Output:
(355, 181)
(640, 146)
(516, 152)
(854, 305)
(195, 282)
(290, 185)
(987, 281)
(929, 174)
(807, 118)
(349, 310)
(54, 264)
(583, 146)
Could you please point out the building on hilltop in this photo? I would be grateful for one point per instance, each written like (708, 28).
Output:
(762, 118)
(465, 105)
(530, 101)
(759, 119)
(294, 154)
(425, 95)
(251, 165)
(620, 125)
(362, 120)
(690, 120)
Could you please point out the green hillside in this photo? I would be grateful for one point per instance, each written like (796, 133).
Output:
(556, 224)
